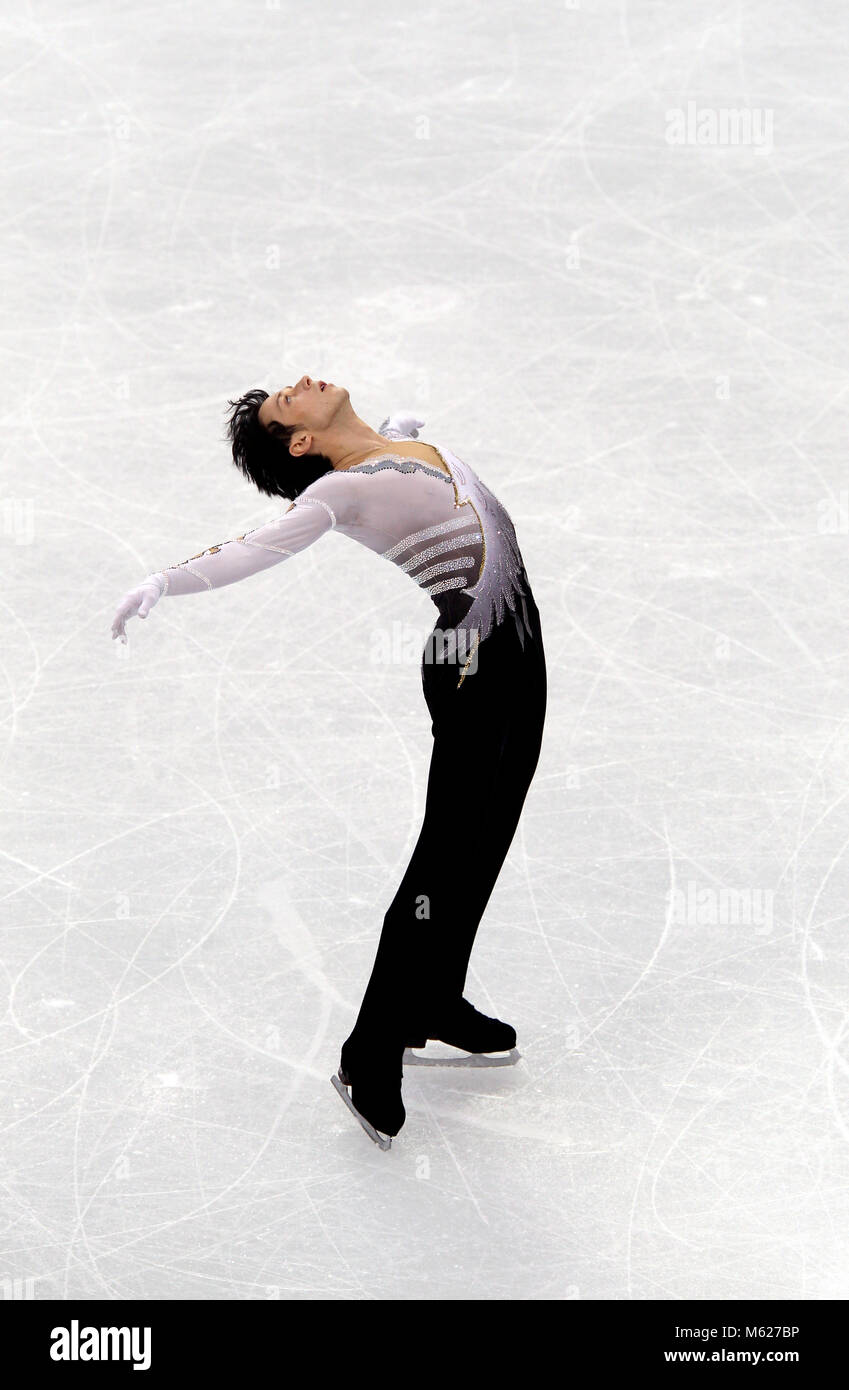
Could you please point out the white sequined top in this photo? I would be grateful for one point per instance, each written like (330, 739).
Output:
(446, 530)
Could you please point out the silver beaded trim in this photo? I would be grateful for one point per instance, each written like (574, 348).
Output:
(446, 584)
(266, 545)
(401, 465)
(317, 502)
(260, 545)
(196, 573)
(439, 549)
(460, 562)
(439, 530)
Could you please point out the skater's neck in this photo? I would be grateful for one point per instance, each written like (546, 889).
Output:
(349, 440)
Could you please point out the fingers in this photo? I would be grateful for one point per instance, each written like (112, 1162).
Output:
(125, 610)
(120, 618)
(148, 599)
(137, 603)
(407, 421)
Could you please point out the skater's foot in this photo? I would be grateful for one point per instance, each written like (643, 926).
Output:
(464, 1027)
(374, 1076)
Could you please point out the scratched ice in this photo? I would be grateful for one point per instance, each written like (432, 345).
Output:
(598, 247)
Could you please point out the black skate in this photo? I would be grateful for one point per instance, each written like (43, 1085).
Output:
(374, 1079)
(487, 1042)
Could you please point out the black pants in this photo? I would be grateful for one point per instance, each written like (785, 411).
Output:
(487, 732)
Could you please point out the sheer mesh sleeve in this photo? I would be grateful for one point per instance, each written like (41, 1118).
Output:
(304, 522)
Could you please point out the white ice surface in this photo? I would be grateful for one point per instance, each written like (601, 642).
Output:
(642, 348)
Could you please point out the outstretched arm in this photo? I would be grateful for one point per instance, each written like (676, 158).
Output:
(225, 563)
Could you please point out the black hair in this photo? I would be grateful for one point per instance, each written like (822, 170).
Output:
(261, 452)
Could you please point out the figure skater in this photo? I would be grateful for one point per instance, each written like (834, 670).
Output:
(484, 680)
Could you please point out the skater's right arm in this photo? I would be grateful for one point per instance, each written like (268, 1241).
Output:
(303, 523)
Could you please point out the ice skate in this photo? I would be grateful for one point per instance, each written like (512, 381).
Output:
(374, 1078)
(381, 1140)
(480, 1041)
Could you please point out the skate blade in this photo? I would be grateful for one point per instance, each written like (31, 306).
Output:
(378, 1139)
(464, 1059)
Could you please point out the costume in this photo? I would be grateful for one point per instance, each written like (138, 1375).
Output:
(484, 681)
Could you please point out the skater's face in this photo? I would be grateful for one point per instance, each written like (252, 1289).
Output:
(307, 408)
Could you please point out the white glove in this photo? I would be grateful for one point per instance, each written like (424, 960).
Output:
(401, 425)
(137, 603)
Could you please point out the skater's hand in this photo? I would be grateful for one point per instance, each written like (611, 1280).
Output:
(405, 422)
(137, 603)
(402, 422)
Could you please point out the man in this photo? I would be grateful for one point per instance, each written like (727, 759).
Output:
(483, 674)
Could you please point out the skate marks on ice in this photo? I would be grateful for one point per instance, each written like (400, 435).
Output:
(297, 939)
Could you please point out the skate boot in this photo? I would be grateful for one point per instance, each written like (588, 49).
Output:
(470, 1031)
(369, 1082)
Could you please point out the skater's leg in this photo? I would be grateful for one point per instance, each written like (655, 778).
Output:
(499, 818)
(513, 721)
(486, 745)
(394, 994)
